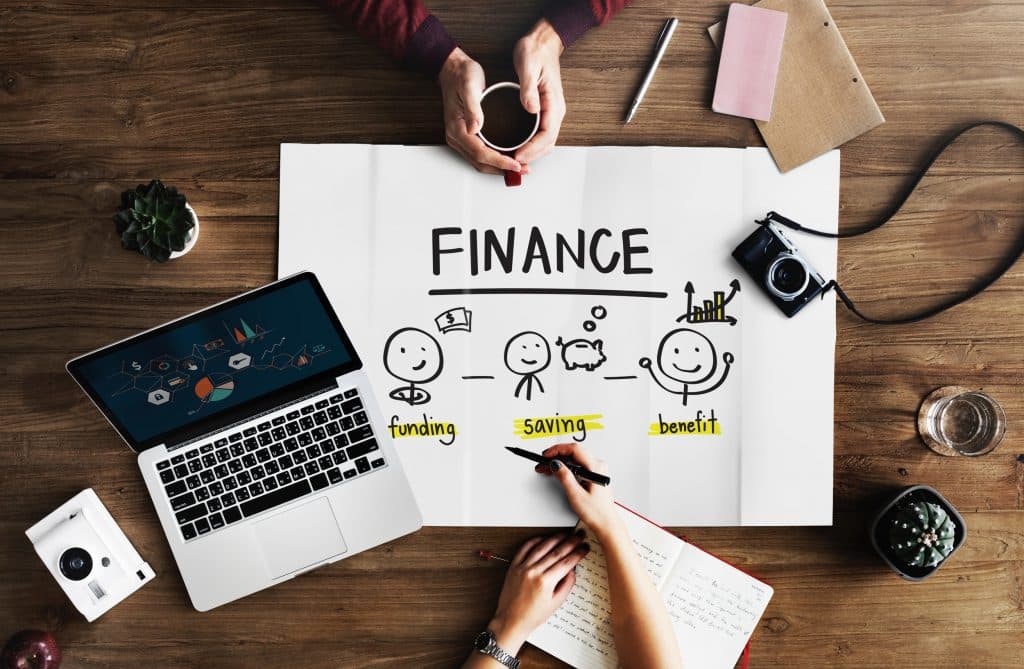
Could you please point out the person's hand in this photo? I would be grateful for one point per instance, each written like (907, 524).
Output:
(462, 81)
(540, 79)
(594, 504)
(539, 579)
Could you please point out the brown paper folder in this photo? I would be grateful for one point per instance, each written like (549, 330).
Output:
(821, 98)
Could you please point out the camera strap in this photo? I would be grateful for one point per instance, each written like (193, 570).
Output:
(979, 287)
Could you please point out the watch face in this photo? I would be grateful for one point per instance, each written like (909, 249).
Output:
(483, 640)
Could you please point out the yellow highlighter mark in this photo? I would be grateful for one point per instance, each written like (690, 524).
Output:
(700, 425)
(538, 427)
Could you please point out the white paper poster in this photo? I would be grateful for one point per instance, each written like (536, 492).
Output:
(598, 303)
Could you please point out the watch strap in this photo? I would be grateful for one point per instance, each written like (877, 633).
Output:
(493, 650)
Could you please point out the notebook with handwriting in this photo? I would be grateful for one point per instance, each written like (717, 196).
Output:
(714, 606)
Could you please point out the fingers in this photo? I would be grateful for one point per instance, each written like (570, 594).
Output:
(562, 549)
(539, 146)
(573, 490)
(478, 154)
(567, 563)
(577, 453)
(564, 587)
(525, 549)
(542, 549)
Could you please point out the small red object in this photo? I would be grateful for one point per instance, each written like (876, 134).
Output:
(489, 555)
(31, 649)
(513, 178)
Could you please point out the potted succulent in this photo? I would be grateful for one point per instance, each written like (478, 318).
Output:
(156, 221)
(917, 531)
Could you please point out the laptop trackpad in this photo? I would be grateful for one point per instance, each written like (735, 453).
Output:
(300, 537)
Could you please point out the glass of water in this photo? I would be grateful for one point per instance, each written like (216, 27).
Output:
(959, 421)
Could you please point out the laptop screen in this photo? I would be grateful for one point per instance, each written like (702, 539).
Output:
(220, 365)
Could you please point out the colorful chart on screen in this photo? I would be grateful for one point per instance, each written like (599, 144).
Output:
(214, 363)
(215, 387)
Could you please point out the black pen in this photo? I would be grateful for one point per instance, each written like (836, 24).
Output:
(578, 471)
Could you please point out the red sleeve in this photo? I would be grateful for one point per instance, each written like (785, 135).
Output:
(403, 28)
(572, 18)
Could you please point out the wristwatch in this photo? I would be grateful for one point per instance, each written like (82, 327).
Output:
(485, 643)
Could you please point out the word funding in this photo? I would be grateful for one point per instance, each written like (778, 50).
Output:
(518, 250)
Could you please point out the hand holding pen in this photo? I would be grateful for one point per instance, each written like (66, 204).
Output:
(594, 504)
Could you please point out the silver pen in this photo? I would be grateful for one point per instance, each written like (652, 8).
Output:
(663, 40)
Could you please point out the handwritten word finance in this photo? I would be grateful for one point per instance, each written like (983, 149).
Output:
(518, 250)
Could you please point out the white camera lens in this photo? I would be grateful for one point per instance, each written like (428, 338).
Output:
(75, 563)
(787, 276)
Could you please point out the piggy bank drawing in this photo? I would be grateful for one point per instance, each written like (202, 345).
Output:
(581, 354)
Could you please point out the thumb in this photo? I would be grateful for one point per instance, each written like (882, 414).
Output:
(529, 95)
(572, 487)
(474, 114)
(564, 587)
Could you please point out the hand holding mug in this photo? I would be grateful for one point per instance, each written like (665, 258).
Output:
(462, 86)
(536, 59)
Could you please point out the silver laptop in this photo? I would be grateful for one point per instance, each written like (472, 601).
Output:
(259, 439)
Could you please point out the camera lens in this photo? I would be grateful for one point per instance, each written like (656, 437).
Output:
(75, 563)
(787, 276)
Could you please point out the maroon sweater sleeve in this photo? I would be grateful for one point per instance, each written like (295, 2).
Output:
(403, 28)
(572, 18)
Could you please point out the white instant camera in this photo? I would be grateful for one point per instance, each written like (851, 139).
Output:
(89, 555)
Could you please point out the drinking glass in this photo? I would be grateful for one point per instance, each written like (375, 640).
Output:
(958, 421)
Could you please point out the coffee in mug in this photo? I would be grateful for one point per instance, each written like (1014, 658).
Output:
(507, 125)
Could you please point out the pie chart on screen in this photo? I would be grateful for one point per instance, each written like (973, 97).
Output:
(214, 388)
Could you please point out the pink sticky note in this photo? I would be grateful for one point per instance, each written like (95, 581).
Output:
(751, 51)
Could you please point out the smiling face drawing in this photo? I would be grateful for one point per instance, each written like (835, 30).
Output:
(687, 356)
(413, 356)
(527, 353)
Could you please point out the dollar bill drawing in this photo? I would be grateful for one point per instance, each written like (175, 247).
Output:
(457, 318)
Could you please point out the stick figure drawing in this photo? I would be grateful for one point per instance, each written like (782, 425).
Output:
(689, 358)
(527, 354)
(413, 356)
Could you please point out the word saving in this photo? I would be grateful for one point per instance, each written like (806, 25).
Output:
(575, 426)
(603, 250)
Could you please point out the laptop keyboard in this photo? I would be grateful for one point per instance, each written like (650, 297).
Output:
(313, 447)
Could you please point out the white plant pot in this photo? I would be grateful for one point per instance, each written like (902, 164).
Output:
(192, 238)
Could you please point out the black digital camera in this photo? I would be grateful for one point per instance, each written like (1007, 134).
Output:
(775, 265)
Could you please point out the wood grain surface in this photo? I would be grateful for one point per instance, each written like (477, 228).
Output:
(98, 95)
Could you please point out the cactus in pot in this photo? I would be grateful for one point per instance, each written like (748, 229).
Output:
(921, 534)
(156, 221)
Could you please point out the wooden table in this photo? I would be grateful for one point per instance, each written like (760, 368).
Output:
(98, 95)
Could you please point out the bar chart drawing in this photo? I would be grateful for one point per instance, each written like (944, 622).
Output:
(709, 311)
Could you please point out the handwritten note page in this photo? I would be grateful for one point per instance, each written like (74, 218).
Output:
(714, 608)
(580, 632)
